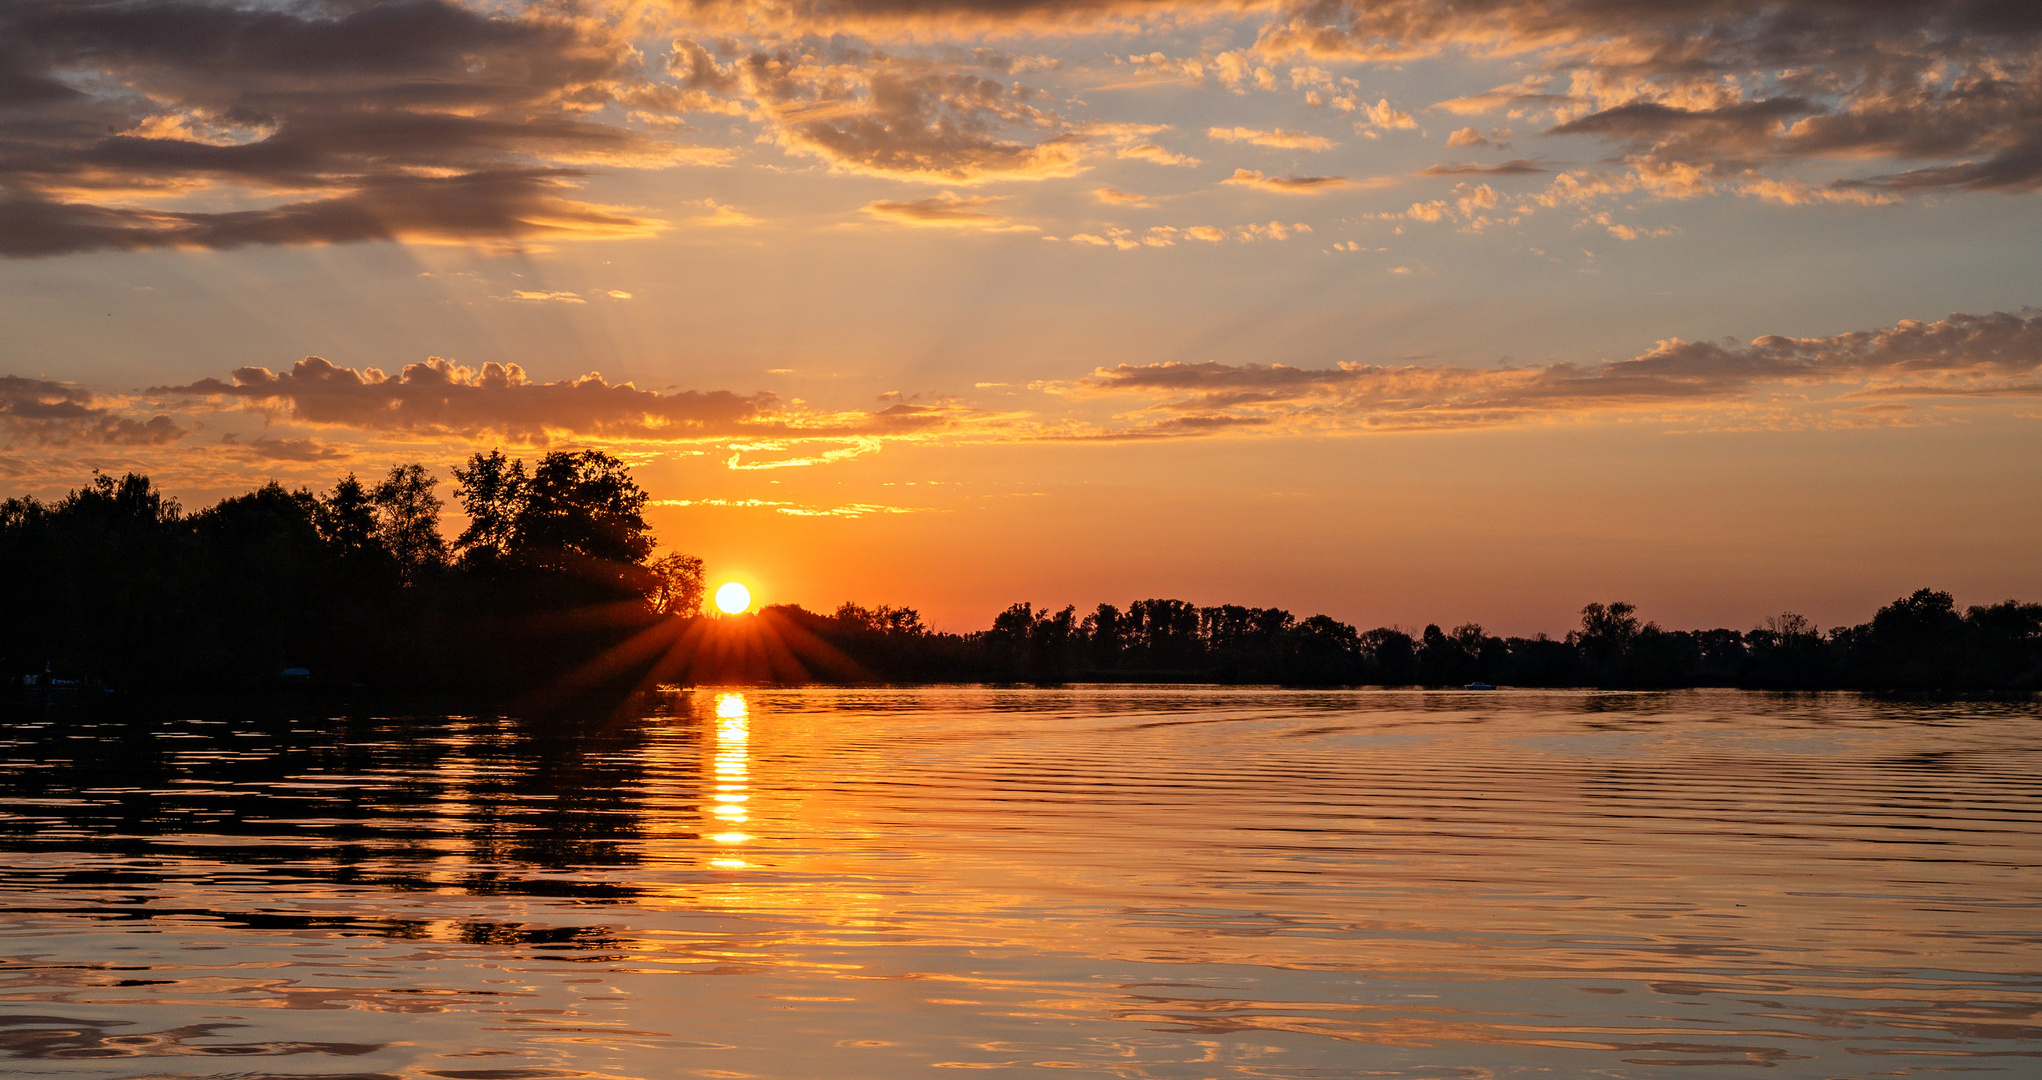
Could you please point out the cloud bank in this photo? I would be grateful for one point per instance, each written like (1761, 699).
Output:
(328, 122)
(44, 413)
(440, 397)
(317, 412)
(202, 124)
(1962, 356)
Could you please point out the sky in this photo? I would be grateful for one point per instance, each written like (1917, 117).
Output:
(1401, 312)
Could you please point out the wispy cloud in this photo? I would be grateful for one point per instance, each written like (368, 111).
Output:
(47, 413)
(793, 509)
(948, 210)
(1116, 197)
(1288, 185)
(1513, 167)
(1978, 356)
(1277, 137)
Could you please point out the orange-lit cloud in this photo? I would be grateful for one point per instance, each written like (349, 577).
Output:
(948, 210)
(1959, 361)
(1468, 136)
(498, 402)
(910, 120)
(1278, 138)
(45, 413)
(1163, 236)
(1117, 197)
(1995, 355)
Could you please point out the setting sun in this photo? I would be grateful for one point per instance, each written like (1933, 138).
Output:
(733, 598)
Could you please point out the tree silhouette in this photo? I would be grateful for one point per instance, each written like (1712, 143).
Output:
(347, 521)
(576, 511)
(491, 490)
(408, 520)
(116, 582)
(678, 584)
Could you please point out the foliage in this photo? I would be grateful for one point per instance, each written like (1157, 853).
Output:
(554, 582)
(115, 583)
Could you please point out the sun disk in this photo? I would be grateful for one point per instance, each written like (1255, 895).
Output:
(733, 599)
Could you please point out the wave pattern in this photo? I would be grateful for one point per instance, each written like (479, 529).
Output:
(1114, 882)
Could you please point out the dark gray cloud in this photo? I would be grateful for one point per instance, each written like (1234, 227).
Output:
(1993, 355)
(264, 448)
(442, 397)
(1513, 167)
(48, 413)
(331, 122)
(1734, 85)
(1288, 185)
(479, 206)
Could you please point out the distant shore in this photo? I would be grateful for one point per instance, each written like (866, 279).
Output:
(552, 593)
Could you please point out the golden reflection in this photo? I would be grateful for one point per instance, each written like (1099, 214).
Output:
(733, 772)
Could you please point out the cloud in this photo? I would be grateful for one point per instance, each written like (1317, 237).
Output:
(1514, 98)
(1978, 356)
(1116, 197)
(524, 296)
(130, 125)
(1278, 137)
(1152, 153)
(196, 124)
(1731, 86)
(1288, 185)
(722, 215)
(778, 506)
(1165, 236)
(443, 398)
(46, 413)
(517, 205)
(268, 449)
(2018, 168)
(947, 210)
(1383, 115)
(1513, 167)
(910, 120)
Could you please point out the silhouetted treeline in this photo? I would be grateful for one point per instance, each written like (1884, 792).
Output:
(1918, 643)
(116, 585)
(551, 588)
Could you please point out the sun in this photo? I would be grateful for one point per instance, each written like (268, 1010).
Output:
(733, 598)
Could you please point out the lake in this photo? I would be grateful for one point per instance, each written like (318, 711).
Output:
(1129, 882)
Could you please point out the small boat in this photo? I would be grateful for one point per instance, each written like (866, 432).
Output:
(1478, 686)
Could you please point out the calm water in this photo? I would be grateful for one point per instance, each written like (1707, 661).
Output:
(1172, 883)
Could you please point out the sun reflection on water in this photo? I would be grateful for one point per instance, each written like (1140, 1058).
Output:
(733, 774)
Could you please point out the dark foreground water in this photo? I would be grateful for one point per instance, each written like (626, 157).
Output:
(1181, 883)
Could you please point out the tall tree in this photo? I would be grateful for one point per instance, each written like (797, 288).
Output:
(677, 584)
(492, 493)
(582, 508)
(408, 520)
(347, 520)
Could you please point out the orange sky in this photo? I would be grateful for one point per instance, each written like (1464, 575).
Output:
(1399, 312)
